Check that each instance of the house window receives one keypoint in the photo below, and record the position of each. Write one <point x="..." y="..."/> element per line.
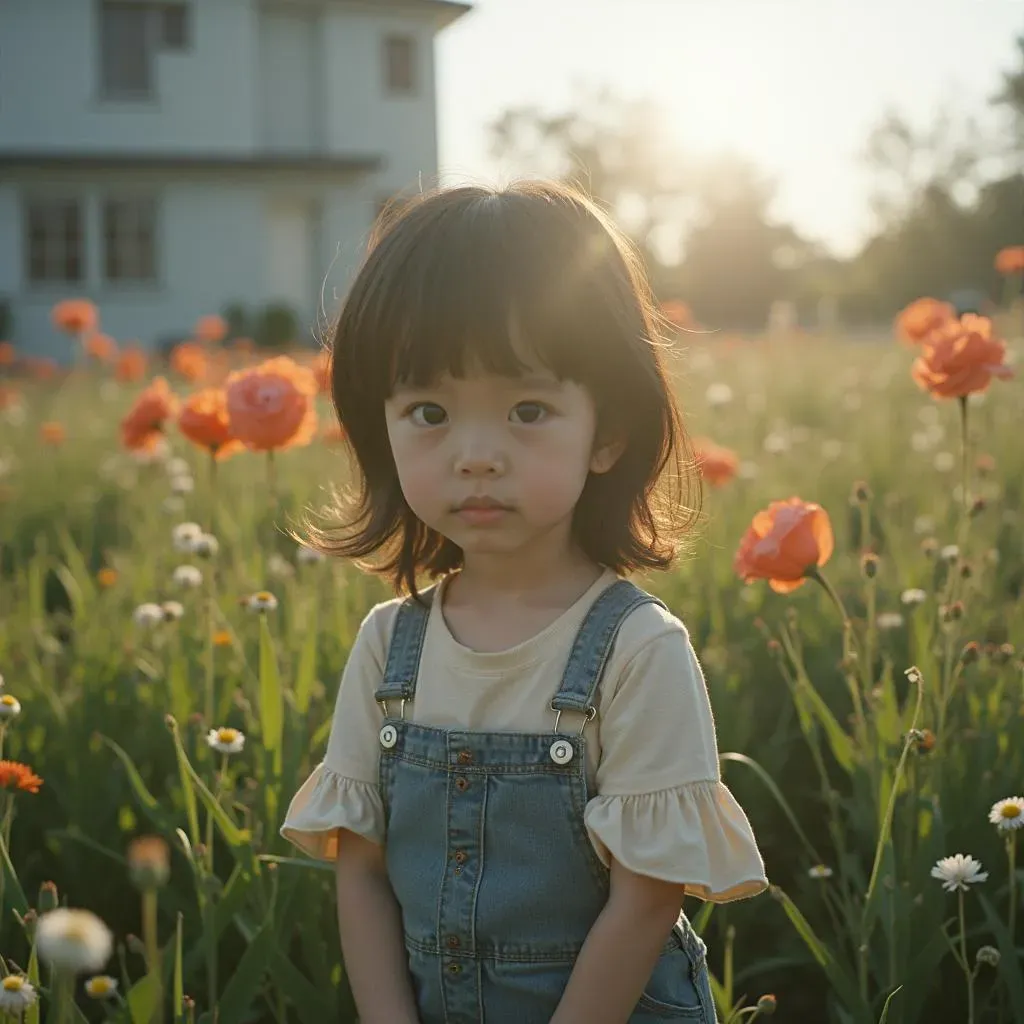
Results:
<point x="129" y="241"/>
<point x="53" y="241"/>
<point x="400" y="65"/>
<point x="132" y="34"/>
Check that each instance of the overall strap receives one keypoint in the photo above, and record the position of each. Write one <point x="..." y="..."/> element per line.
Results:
<point x="593" y="645"/>
<point x="399" y="682"/>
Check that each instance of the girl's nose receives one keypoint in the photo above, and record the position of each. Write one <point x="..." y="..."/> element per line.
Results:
<point x="479" y="457"/>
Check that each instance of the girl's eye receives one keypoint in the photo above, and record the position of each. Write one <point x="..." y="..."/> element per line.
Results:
<point x="530" y="412"/>
<point x="427" y="414"/>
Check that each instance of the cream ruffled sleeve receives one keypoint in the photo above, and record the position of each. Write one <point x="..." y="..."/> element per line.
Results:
<point x="662" y="809"/>
<point x="342" y="792"/>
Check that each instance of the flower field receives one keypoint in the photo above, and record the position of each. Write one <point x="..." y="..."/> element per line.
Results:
<point x="170" y="653"/>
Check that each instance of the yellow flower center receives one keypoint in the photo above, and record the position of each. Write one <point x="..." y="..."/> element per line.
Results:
<point x="1011" y="811"/>
<point x="264" y="596"/>
<point x="8" y="700"/>
<point x="227" y="735"/>
<point x="99" y="986"/>
<point x="12" y="983"/>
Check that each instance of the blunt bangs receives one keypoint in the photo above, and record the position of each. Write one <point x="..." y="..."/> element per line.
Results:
<point x="487" y="282"/>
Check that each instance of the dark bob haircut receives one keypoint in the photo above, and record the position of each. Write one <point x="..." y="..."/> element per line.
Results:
<point x="451" y="280"/>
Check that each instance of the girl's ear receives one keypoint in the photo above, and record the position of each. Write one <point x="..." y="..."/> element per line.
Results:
<point x="605" y="456"/>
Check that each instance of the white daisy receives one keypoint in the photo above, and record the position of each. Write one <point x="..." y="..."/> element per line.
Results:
<point x="913" y="596"/>
<point x="10" y="707"/>
<point x="148" y="614"/>
<point x="262" y="601"/>
<point x="187" y="576"/>
<point x="889" y="620"/>
<point x="958" y="872"/>
<point x="819" y="871"/>
<point x="1006" y="815"/>
<point x="101" y="986"/>
<point x="184" y="536"/>
<point x="182" y="485"/>
<point x="75" y="940"/>
<point x="307" y="555"/>
<point x="226" y="740"/>
<point x="172" y="610"/>
<point x="16" y="993"/>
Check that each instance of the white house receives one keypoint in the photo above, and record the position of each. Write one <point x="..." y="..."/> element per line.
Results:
<point x="166" y="158"/>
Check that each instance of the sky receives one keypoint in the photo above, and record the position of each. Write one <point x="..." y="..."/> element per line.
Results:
<point x="795" y="85"/>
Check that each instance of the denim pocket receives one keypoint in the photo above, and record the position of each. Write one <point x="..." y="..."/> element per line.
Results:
<point x="679" y="988"/>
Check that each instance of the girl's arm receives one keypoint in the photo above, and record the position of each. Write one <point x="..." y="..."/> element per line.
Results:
<point x="370" y="923"/>
<point x="621" y="950"/>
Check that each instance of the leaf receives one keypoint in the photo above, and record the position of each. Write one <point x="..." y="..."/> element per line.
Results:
<point x="305" y="676"/>
<point x="245" y="983"/>
<point x="779" y="798"/>
<point x="79" y="571"/>
<point x="1010" y="972"/>
<point x="838" y="739"/>
<point x="188" y="793"/>
<point x="14" y="895"/>
<point x="150" y="804"/>
<point x="310" y="1003"/>
<point x="885" y="1009"/>
<point x="309" y="862"/>
<point x="32" y="1012"/>
<point x="143" y="998"/>
<point x="178" y="685"/>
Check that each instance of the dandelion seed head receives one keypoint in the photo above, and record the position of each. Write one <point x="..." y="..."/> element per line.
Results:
<point x="148" y="614"/>
<point x="172" y="610"/>
<point x="74" y="940"/>
<point x="187" y="576"/>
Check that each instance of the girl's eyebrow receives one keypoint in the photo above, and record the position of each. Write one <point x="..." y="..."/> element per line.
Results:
<point x="551" y="385"/>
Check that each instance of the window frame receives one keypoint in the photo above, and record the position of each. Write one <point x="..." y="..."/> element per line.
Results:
<point x="108" y="249"/>
<point x="391" y="87"/>
<point x="155" y="42"/>
<point x="33" y="204"/>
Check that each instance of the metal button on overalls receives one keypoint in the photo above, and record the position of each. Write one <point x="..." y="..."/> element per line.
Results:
<point x="561" y="752"/>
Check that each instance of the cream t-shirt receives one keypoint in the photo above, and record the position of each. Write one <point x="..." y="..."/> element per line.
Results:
<point x="659" y="805"/>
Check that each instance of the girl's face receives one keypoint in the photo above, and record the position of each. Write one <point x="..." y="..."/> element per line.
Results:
<point x="496" y="464"/>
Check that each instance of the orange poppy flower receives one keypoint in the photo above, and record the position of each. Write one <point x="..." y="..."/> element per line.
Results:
<point x="189" y="360"/>
<point x="783" y="543"/>
<point x="15" y="775"/>
<point x="52" y="432"/>
<point x="74" y="316"/>
<point x="8" y="354"/>
<point x="272" y="405"/>
<point x="1010" y="260"/>
<point x="204" y="421"/>
<point x="106" y="577"/>
<point x="211" y="328"/>
<point x="717" y="465"/>
<point x="142" y="425"/>
<point x="960" y="358"/>
<point x="916" y="321"/>
<point x="131" y="365"/>
<point x="100" y="346"/>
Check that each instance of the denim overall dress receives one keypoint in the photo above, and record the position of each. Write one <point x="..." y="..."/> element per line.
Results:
<point x="488" y="855"/>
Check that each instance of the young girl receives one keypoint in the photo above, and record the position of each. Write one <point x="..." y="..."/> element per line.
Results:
<point x="522" y="780"/>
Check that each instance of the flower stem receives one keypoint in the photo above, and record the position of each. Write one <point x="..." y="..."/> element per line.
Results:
<point x="963" y="957"/>
<point x="965" y="472"/>
<point x="1011" y="854"/>
<point x="152" y="944"/>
